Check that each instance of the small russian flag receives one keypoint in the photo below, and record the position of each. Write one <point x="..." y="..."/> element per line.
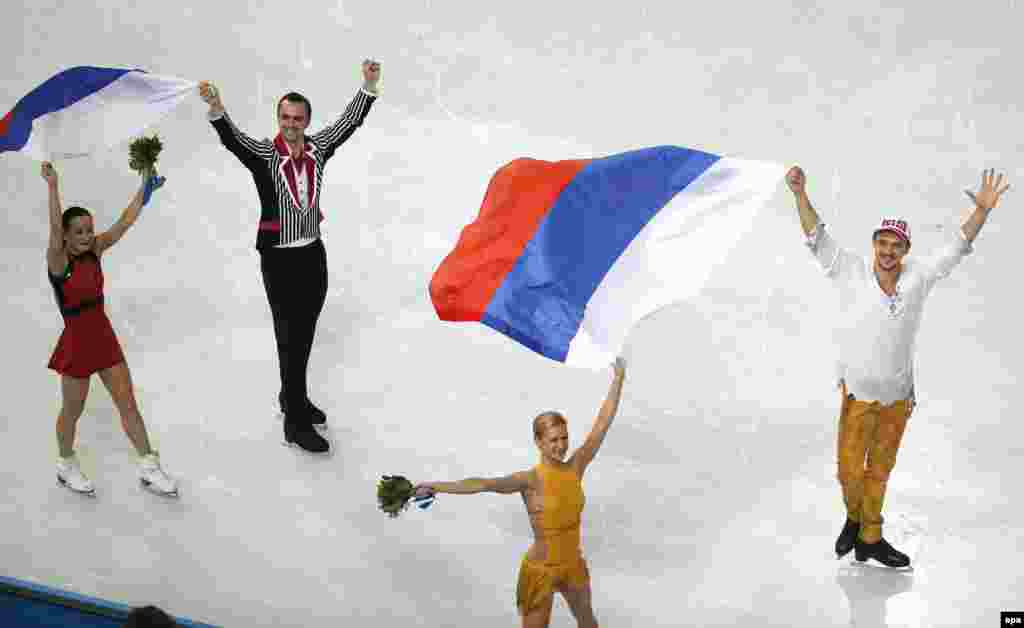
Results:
<point x="86" y="109"/>
<point x="566" y="257"/>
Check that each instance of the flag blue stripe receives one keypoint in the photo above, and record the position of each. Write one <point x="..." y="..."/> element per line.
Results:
<point x="542" y="300"/>
<point x="58" y="92"/>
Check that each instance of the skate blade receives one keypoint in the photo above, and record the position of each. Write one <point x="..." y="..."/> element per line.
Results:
<point x="871" y="563"/>
<point x="322" y="454"/>
<point x="63" y="484"/>
<point x="149" y="487"/>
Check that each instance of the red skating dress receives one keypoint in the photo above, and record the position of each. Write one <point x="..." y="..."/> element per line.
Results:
<point x="88" y="343"/>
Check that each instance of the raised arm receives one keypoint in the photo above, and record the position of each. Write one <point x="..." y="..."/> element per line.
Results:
<point x="941" y="263"/>
<point x="251" y="152"/>
<point x="334" y="135"/>
<point x="130" y="214"/>
<point x="797" y="182"/>
<point x="984" y="202"/>
<point x="515" y="483"/>
<point x="833" y="258"/>
<point x="56" y="259"/>
<point x="583" y="456"/>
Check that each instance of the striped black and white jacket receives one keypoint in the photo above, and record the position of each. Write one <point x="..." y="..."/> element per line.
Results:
<point x="287" y="219"/>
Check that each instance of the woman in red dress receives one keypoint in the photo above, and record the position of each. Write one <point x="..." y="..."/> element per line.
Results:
<point x="88" y="343"/>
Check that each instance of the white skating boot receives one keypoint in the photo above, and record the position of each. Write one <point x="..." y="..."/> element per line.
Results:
<point x="69" y="475"/>
<point x="152" y="477"/>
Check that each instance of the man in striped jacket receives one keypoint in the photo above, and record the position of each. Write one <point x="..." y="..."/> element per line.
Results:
<point x="288" y="172"/>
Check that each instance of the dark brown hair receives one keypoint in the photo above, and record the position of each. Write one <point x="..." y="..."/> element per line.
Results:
<point x="71" y="213"/>
<point x="149" y="617"/>
<point x="295" y="97"/>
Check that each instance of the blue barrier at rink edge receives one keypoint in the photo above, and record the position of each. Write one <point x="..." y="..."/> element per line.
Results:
<point x="24" y="604"/>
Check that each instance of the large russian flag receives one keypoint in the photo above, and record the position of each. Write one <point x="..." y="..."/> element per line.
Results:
<point x="566" y="257"/>
<point x="87" y="109"/>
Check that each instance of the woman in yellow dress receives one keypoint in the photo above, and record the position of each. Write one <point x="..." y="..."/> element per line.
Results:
<point x="553" y="495"/>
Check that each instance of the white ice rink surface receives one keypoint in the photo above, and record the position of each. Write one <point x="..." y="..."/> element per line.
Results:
<point x="713" y="502"/>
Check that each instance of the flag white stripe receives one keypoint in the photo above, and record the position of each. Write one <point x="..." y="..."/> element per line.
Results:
<point x="119" y="111"/>
<point x="673" y="256"/>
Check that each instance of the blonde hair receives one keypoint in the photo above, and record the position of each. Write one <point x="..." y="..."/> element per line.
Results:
<point x="547" y="420"/>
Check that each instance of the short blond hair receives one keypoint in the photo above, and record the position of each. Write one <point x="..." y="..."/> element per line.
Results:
<point x="547" y="420"/>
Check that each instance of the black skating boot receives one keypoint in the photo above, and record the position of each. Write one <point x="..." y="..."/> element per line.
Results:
<point x="305" y="437"/>
<point x="882" y="552"/>
<point x="847" y="538"/>
<point x="317" y="416"/>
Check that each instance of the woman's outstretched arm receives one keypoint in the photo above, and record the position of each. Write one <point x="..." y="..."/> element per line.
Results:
<point x="588" y="450"/>
<point x="56" y="260"/>
<point x="130" y="214"/>
<point x="515" y="483"/>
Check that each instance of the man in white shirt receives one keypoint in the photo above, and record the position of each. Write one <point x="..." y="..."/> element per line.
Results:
<point x="881" y="301"/>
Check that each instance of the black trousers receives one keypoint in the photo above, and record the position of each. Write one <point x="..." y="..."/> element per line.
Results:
<point x="295" y="279"/>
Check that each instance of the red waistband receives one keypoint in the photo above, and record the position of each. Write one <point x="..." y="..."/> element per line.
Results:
<point x="275" y="225"/>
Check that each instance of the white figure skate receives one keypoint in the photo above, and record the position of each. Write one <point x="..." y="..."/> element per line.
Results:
<point x="153" y="478"/>
<point x="70" y="476"/>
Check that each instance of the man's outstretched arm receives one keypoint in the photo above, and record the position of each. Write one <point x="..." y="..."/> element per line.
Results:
<point x="250" y="151"/>
<point x="833" y="259"/>
<point x="797" y="182"/>
<point x="942" y="262"/>
<point x="984" y="202"/>
<point x="341" y="129"/>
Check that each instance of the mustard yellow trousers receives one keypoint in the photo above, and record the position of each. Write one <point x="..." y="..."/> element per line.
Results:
<point x="869" y="437"/>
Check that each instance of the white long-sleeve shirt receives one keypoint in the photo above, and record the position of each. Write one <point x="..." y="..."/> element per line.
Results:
<point x="876" y="332"/>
